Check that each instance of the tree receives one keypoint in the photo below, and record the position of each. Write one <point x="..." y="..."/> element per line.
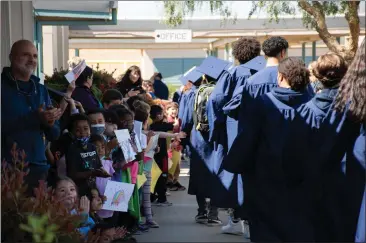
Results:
<point x="314" y="15"/>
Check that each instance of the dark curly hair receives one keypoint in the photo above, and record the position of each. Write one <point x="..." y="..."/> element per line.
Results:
<point x="245" y="49"/>
<point x="294" y="70"/>
<point x="274" y="45"/>
<point x="111" y="95"/>
<point x="330" y="69"/>
<point x="353" y="87"/>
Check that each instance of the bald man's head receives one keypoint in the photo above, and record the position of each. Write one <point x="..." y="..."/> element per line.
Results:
<point x="23" y="57"/>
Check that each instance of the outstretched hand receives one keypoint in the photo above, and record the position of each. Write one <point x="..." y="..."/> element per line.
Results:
<point x="179" y="136"/>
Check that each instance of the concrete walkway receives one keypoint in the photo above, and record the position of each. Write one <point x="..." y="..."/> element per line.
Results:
<point x="177" y="222"/>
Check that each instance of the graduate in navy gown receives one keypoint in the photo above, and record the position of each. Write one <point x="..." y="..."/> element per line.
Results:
<point x="351" y="101"/>
<point x="244" y="50"/>
<point x="272" y="176"/>
<point x="263" y="79"/>
<point x="200" y="152"/>
<point x="275" y="49"/>
<point x="329" y="70"/>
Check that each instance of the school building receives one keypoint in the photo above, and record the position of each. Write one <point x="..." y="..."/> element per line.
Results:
<point x="134" y="35"/>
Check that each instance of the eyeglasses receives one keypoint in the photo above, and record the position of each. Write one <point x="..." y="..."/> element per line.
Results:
<point x="22" y="91"/>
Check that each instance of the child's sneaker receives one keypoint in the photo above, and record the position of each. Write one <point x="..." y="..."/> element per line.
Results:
<point x="201" y="218"/>
<point x="142" y="228"/>
<point x="152" y="224"/>
<point x="164" y="204"/>
<point x="233" y="228"/>
<point x="214" y="222"/>
<point x="167" y="194"/>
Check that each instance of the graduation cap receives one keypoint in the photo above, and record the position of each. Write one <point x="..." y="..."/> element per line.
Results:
<point x="194" y="75"/>
<point x="183" y="79"/>
<point x="256" y="63"/>
<point x="213" y="66"/>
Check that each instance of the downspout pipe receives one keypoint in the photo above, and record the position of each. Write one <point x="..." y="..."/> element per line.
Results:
<point x="40" y="23"/>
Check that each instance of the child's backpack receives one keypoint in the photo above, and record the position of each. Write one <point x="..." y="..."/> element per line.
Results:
<point x="200" y="118"/>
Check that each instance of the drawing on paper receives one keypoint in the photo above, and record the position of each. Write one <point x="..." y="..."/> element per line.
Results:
<point x="118" y="195"/>
<point x="118" y="198"/>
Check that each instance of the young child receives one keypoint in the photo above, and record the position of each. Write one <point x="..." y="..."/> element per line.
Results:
<point x="82" y="161"/>
<point x="111" y="124"/>
<point x="161" y="158"/>
<point x="175" y="148"/>
<point x="101" y="183"/>
<point x="108" y="231"/>
<point x="65" y="192"/>
<point x="97" y="121"/>
<point x="142" y="112"/>
<point x="112" y="97"/>
<point x="148" y="86"/>
<point x="127" y="172"/>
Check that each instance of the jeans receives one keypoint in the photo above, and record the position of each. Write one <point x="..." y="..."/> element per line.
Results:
<point x="207" y="208"/>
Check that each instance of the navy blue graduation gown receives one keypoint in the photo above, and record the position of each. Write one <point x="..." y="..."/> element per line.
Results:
<point x="335" y="197"/>
<point x="227" y="191"/>
<point x="356" y="188"/>
<point x="272" y="176"/>
<point x="182" y="102"/>
<point x="200" y="151"/>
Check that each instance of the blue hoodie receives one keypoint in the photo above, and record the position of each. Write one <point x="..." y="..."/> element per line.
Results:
<point x="20" y="122"/>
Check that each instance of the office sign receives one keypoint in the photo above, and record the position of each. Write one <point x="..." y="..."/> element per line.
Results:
<point x="173" y="36"/>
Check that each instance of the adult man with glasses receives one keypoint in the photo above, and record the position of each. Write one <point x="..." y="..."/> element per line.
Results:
<point x="27" y="116"/>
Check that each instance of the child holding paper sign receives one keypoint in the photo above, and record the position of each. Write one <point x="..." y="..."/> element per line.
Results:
<point x="128" y="169"/>
<point x="142" y="111"/>
<point x="101" y="183"/>
<point x="82" y="161"/>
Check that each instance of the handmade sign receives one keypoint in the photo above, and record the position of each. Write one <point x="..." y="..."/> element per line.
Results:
<point x="141" y="179"/>
<point x="138" y="131"/>
<point x="118" y="195"/>
<point x="124" y="140"/>
<point x="75" y="72"/>
<point x="155" y="174"/>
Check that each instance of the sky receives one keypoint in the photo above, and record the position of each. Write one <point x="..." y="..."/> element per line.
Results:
<point x="155" y="10"/>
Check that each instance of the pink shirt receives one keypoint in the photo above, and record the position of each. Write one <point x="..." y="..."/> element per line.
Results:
<point x="102" y="183"/>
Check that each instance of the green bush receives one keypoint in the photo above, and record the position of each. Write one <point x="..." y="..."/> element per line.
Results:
<point x="102" y="80"/>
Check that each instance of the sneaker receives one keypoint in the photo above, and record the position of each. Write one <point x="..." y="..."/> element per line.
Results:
<point x="214" y="222"/>
<point x="167" y="194"/>
<point x="233" y="228"/>
<point x="143" y="228"/>
<point x="164" y="204"/>
<point x="246" y="230"/>
<point x="201" y="218"/>
<point x="152" y="224"/>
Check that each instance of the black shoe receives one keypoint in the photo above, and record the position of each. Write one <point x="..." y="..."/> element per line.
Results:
<point x="169" y="184"/>
<point x="201" y="218"/>
<point x="214" y="222"/>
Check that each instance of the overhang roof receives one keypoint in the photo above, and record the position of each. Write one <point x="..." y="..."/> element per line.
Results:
<point x="53" y="10"/>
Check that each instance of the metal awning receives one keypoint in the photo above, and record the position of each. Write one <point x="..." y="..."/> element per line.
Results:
<point x="53" y="10"/>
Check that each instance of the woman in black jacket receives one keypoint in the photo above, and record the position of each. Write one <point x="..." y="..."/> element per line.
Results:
<point x="131" y="83"/>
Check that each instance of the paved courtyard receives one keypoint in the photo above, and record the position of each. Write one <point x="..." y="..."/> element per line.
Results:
<point x="177" y="222"/>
